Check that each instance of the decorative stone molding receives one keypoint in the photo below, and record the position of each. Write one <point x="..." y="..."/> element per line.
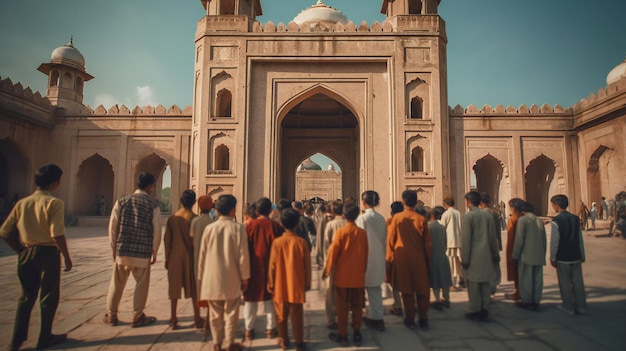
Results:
<point x="500" y="110"/>
<point x="158" y="110"/>
<point x="292" y="27"/>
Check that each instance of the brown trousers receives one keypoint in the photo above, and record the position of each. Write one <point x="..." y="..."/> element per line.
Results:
<point x="349" y="299"/>
<point x="283" y="310"/>
<point x="423" y="303"/>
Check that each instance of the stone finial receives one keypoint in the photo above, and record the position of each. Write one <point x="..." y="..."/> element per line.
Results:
<point x="137" y="111"/>
<point x="350" y="27"/>
<point x="545" y="108"/>
<point x="364" y="27"/>
<point x="486" y="109"/>
<point x="281" y="27"/>
<point x="293" y="27"/>
<point x="174" y="110"/>
<point x="499" y="109"/>
<point x="523" y="109"/>
<point x="100" y="110"/>
<point x="376" y="27"/>
<point x="160" y="110"/>
<point x="534" y="109"/>
<point x="510" y="109"/>
<point x="270" y="27"/>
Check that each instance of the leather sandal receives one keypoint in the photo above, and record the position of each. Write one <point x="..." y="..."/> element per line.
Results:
<point x="143" y="321"/>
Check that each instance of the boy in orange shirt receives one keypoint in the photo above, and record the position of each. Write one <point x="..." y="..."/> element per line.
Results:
<point x="347" y="256"/>
<point x="289" y="278"/>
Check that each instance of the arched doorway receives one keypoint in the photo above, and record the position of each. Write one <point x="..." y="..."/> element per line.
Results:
<point x="14" y="174"/>
<point x="318" y="178"/>
<point x="539" y="176"/>
<point x="319" y="122"/>
<point x="156" y="165"/>
<point x="489" y="174"/>
<point x="94" y="187"/>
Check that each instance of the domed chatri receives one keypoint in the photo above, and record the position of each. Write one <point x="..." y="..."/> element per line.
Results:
<point x="69" y="55"/>
<point x="618" y="73"/>
<point x="320" y="13"/>
<point x="309" y="165"/>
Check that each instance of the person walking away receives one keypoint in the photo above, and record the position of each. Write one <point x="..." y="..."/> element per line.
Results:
<point x="179" y="259"/>
<point x="198" y="223"/>
<point x="485" y="200"/>
<point x="479" y="253"/>
<point x="224" y="268"/>
<point x="35" y="230"/>
<point x="306" y="225"/>
<point x="347" y="257"/>
<point x="593" y="215"/>
<point x="529" y="250"/>
<point x="583" y="214"/>
<point x="409" y="256"/>
<point x="329" y="233"/>
<point x="261" y="234"/>
<point x="289" y="277"/>
<point x="375" y="227"/>
<point x="515" y="206"/>
<point x="396" y="307"/>
<point x="451" y="219"/>
<point x="605" y="209"/>
<point x="135" y="237"/>
<point x="567" y="253"/>
<point x="441" y="277"/>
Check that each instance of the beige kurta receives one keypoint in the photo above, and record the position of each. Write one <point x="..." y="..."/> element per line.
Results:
<point x="479" y="247"/>
<point x="197" y="229"/>
<point x="179" y="254"/>
<point x="224" y="260"/>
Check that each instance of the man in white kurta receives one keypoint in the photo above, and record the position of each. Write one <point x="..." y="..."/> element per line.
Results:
<point x="376" y="228"/>
<point x="451" y="219"/>
<point x="224" y="268"/>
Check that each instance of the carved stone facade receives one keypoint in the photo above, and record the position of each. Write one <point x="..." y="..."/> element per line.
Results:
<point x="373" y="98"/>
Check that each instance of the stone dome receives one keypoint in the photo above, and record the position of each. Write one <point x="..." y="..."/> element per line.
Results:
<point x="68" y="54"/>
<point x="617" y="73"/>
<point x="320" y="13"/>
<point x="309" y="165"/>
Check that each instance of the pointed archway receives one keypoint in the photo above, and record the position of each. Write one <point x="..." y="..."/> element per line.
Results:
<point x="319" y="121"/>
<point x="489" y="175"/>
<point x="318" y="178"/>
<point x="539" y="183"/>
<point x="156" y="165"/>
<point x="94" y="187"/>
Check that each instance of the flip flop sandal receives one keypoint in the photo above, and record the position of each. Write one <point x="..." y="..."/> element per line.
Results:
<point x="143" y="321"/>
<point x="110" y="321"/>
<point x="173" y="324"/>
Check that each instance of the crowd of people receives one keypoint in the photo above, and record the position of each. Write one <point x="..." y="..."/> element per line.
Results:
<point x="267" y="259"/>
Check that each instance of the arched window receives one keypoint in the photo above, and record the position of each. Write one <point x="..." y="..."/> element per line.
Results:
<point x="54" y="79"/>
<point x="415" y="7"/>
<point x="222" y="158"/>
<point x="78" y="87"/>
<point x="227" y="7"/>
<point x="224" y="103"/>
<point x="417" y="107"/>
<point x="417" y="159"/>
<point x="67" y="82"/>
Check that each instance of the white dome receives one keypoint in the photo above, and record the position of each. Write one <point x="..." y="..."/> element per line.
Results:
<point x="68" y="54"/>
<point x="320" y="13"/>
<point x="617" y="73"/>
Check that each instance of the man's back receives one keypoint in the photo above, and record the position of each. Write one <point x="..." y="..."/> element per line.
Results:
<point x="479" y="248"/>
<point x="451" y="219"/>
<point x="530" y="240"/>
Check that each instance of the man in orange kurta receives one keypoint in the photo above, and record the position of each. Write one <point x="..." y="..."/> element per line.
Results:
<point x="347" y="257"/>
<point x="409" y="255"/>
<point x="179" y="260"/>
<point x="511" y="264"/>
<point x="289" y="277"/>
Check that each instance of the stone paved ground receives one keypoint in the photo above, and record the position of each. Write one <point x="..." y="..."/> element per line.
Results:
<point x="83" y="295"/>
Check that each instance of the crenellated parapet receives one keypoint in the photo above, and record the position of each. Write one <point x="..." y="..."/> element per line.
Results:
<point x="349" y="27"/>
<point x="24" y="105"/>
<point x="609" y="92"/>
<point x="26" y="94"/>
<point x="145" y="111"/>
<point x="500" y="110"/>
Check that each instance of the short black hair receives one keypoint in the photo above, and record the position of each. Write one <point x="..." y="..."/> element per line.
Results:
<point x="560" y="200"/>
<point x="337" y="208"/>
<point x="188" y="198"/>
<point x="225" y="204"/>
<point x="423" y="210"/>
<point x="438" y="211"/>
<point x="349" y="199"/>
<point x="396" y="207"/>
<point x="251" y="210"/>
<point x="473" y="197"/>
<point x="371" y="198"/>
<point x="47" y="175"/>
<point x="264" y="206"/>
<point x="289" y="218"/>
<point x="527" y="207"/>
<point x="409" y="197"/>
<point x="283" y="204"/>
<point x="145" y="179"/>
<point x="448" y="200"/>
<point x="351" y="211"/>
<point x="297" y="205"/>
<point x="485" y="198"/>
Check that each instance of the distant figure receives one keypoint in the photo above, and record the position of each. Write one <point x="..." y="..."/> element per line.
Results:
<point x="583" y="214"/>
<point x="306" y="227"/>
<point x="135" y="237"/>
<point x="396" y="307"/>
<point x="329" y="233"/>
<point x="39" y="263"/>
<point x="289" y="277"/>
<point x="515" y="205"/>
<point x="102" y="206"/>
<point x="593" y="215"/>
<point x="567" y="253"/>
<point x="529" y="250"/>
<point x="604" y="214"/>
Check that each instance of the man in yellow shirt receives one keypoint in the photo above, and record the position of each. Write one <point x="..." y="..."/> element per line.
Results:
<point x="39" y="222"/>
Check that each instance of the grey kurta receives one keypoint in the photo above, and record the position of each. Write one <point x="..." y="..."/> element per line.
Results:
<point x="530" y="241"/>
<point x="440" y="277"/>
<point x="479" y="247"/>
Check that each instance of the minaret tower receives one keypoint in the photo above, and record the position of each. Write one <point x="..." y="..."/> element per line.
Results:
<point x="66" y="77"/>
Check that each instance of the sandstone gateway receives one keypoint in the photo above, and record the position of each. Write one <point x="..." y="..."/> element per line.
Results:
<point x="372" y="97"/>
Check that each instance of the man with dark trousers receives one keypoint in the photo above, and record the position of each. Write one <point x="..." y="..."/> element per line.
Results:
<point x="38" y="221"/>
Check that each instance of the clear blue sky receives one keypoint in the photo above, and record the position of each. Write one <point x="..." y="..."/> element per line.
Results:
<point x="499" y="51"/>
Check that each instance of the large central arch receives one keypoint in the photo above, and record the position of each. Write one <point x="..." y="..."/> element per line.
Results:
<point x="318" y="121"/>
